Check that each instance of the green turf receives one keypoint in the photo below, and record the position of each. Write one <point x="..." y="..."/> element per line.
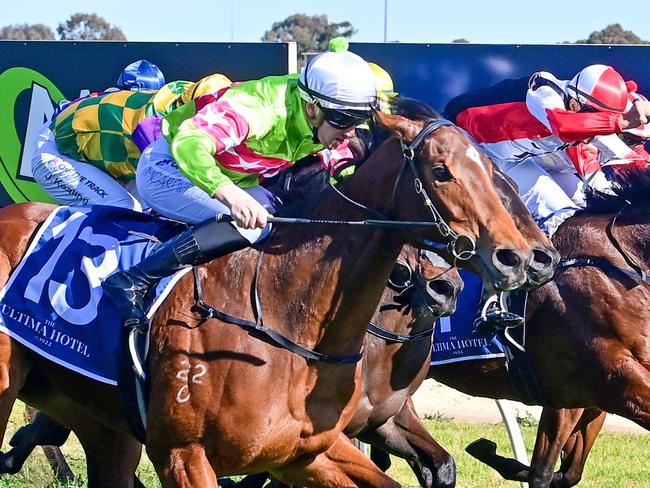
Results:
<point x="617" y="460"/>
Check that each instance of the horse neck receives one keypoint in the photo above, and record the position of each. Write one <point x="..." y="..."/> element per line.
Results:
<point x="340" y="271"/>
<point x="587" y="234"/>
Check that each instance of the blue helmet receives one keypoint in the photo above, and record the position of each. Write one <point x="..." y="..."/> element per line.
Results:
<point x="141" y="75"/>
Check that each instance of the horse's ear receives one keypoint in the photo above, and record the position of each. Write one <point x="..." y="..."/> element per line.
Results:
<point x="397" y="125"/>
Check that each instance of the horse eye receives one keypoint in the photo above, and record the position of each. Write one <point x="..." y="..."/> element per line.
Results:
<point x="441" y="173"/>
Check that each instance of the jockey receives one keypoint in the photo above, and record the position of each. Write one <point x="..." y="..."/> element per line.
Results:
<point x="217" y="150"/>
<point x="141" y="75"/>
<point x="88" y="153"/>
<point x="341" y="162"/>
<point x="528" y="139"/>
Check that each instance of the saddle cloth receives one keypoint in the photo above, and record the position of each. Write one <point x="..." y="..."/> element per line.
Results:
<point x="53" y="302"/>
<point x="454" y="339"/>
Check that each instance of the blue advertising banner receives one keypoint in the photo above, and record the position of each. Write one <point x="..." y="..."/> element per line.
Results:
<point x="435" y="73"/>
<point x="36" y="75"/>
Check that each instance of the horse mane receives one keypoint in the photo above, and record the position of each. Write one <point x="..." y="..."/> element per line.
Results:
<point x="632" y="185"/>
<point x="413" y="109"/>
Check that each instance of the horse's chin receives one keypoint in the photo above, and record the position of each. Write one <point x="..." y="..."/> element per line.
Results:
<point x="426" y="312"/>
<point x="494" y="280"/>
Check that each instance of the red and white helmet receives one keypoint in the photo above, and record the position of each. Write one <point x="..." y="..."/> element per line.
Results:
<point x="600" y="87"/>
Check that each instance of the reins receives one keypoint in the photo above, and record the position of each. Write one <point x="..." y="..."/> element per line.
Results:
<point x="636" y="273"/>
<point x="453" y="239"/>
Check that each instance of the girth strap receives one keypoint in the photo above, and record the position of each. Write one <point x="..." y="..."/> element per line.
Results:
<point x="209" y="311"/>
<point x="390" y="336"/>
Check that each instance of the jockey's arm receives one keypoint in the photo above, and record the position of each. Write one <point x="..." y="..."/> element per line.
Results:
<point x="547" y="106"/>
<point x="613" y="149"/>
<point x="196" y="143"/>
<point x="212" y="131"/>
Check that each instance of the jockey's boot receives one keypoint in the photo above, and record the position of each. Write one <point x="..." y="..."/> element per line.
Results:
<point x="200" y="244"/>
<point x="495" y="315"/>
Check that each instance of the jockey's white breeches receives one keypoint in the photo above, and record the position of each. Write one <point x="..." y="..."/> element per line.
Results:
<point x="75" y="183"/>
<point x="165" y="189"/>
<point x="550" y="196"/>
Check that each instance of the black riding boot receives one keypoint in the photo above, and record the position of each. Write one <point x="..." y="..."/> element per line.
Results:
<point x="495" y="315"/>
<point x="200" y="244"/>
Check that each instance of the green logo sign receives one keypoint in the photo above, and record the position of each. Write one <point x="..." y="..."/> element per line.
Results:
<point x="15" y="154"/>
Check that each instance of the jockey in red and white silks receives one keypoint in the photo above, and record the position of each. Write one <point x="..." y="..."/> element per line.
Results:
<point x="533" y="140"/>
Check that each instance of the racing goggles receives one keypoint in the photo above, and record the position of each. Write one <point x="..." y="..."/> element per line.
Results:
<point x="344" y="119"/>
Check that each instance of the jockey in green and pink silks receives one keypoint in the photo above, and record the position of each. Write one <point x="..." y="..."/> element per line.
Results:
<point x="218" y="148"/>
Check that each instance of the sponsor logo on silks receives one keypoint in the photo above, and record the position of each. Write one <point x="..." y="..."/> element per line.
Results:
<point x="16" y="148"/>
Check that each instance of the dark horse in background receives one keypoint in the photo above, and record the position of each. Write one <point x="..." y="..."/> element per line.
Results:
<point x="585" y="334"/>
<point x="320" y="287"/>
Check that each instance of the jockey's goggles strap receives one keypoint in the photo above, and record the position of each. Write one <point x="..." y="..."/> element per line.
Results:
<point x="319" y="96"/>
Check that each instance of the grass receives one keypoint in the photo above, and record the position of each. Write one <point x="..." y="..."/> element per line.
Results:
<point x="617" y="460"/>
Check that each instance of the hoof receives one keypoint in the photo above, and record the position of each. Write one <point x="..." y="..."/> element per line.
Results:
<point x="482" y="449"/>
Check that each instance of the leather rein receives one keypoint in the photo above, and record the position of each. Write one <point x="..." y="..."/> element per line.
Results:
<point x="460" y="246"/>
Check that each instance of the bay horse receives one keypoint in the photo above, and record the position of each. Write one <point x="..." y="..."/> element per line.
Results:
<point x="421" y="288"/>
<point x="318" y="286"/>
<point x="585" y="331"/>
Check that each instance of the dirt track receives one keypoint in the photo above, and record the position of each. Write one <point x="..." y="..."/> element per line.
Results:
<point x="434" y="398"/>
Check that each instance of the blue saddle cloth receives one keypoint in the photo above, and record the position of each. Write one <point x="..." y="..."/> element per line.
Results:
<point x="53" y="302"/>
<point x="454" y="339"/>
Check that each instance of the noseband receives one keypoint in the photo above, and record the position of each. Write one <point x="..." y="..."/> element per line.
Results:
<point x="461" y="246"/>
<point x="408" y="288"/>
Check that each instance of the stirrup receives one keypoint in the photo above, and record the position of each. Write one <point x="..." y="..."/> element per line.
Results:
<point x="495" y="316"/>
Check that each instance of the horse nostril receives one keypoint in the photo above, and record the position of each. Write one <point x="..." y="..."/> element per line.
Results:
<point x="543" y="257"/>
<point x="509" y="258"/>
<point x="442" y="287"/>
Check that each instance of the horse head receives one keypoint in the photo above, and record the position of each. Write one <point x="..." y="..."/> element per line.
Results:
<point x="425" y="284"/>
<point x="441" y="178"/>
<point x="441" y="282"/>
<point x="545" y="257"/>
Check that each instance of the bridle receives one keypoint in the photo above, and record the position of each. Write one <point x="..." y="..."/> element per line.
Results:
<point x="460" y="246"/>
<point x="402" y="281"/>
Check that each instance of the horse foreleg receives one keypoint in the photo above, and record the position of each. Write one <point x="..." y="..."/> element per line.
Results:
<point x="186" y="466"/>
<point x="577" y="448"/>
<point x="341" y="466"/>
<point x="486" y="451"/>
<point x="628" y="391"/>
<point x="13" y="370"/>
<point x="555" y="428"/>
<point x="405" y="436"/>
<point x="111" y="456"/>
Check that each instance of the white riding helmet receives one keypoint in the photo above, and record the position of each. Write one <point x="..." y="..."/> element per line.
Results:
<point x="339" y="81"/>
<point x="600" y="87"/>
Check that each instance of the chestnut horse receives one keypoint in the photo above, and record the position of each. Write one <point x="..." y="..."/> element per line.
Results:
<point x="396" y="354"/>
<point x="319" y="287"/>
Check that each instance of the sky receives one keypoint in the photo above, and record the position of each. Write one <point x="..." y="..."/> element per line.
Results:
<point x="419" y="21"/>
